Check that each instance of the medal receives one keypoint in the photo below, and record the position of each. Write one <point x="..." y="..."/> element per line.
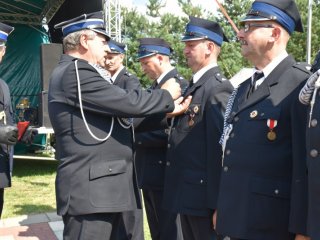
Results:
<point x="271" y="135"/>
<point x="191" y="122"/>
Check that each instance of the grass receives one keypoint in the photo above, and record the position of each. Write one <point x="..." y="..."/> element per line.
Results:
<point x="33" y="192"/>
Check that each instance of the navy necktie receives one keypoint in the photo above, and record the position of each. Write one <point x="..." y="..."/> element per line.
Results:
<point x="256" y="76"/>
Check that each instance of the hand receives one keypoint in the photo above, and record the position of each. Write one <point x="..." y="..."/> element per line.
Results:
<point x="8" y="134"/>
<point x="301" y="237"/>
<point x="214" y="219"/>
<point x="180" y="106"/>
<point x="172" y="87"/>
<point x="29" y="135"/>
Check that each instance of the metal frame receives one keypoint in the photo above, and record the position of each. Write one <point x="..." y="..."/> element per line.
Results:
<point x="112" y="10"/>
<point x="18" y="15"/>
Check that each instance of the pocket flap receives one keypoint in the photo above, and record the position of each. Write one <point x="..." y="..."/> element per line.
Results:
<point x="195" y="177"/>
<point x="270" y="187"/>
<point x="102" y="169"/>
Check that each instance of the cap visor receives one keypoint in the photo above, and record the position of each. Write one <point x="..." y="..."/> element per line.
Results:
<point x="191" y="38"/>
<point x="254" y="18"/>
<point x="146" y="55"/>
<point x="103" y="32"/>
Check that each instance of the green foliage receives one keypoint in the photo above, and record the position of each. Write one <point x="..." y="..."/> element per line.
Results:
<point x="170" y="26"/>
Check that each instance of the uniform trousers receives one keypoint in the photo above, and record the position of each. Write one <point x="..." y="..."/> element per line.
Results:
<point x="197" y="228"/>
<point x="106" y="226"/>
<point x="164" y="225"/>
<point x="133" y="224"/>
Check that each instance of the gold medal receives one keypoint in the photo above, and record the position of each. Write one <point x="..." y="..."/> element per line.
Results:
<point x="271" y="136"/>
<point x="191" y="122"/>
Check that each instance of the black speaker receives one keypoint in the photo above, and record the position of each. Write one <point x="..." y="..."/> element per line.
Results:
<point x="50" y="55"/>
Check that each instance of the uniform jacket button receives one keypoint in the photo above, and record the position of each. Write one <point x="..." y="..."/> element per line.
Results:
<point x="160" y="162"/>
<point x="314" y="122"/>
<point x="236" y="119"/>
<point x="228" y="152"/>
<point x="168" y="145"/>
<point x="168" y="164"/>
<point x="313" y="153"/>
<point x="225" y="168"/>
<point x="110" y="169"/>
<point x="232" y="135"/>
<point x="276" y="191"/>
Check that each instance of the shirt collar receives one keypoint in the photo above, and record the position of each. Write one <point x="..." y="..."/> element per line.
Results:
<point x="202" y="71"/>
<point x="273" y="64"/>
<point x="163" y="74"/>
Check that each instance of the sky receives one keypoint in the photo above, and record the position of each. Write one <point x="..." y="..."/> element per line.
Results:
<point x="171" y="5"/>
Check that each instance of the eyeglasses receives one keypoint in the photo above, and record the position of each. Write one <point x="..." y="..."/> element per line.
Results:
<point x="246" y="27"/>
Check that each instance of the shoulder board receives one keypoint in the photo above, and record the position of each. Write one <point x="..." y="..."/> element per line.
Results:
<point x="220" y="77"/>
<point x="303" y="66"/>
<point x="179" y="77"/>
<point x="128" y="74"/>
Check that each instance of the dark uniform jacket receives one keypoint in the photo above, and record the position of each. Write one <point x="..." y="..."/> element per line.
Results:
<point x="313" y="162"/>
<point x="126" y="80"/>
<point x="5" y="151"/>
<point x="151" y="147"/>
<point x="95" y="176"/>
<point x="263" y="182"/>
<point x="193" y="155"/>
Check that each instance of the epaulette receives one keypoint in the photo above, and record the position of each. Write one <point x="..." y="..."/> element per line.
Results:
<point x="128" y="74"/>
<point x="303" y="66"/>
<point x="220" y="77"/>
<point x="178" y="77"/>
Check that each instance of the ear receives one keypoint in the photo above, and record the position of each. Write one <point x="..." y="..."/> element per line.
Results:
<point x="210" y="47"/>
<point x="276" y="33"/>
<point x="84" y="41"/>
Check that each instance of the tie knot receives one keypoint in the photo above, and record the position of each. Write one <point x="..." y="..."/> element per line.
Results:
<point x="256" y="76"/>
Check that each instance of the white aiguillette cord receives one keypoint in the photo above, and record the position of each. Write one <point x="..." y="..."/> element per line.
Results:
<point x="82" y="113"/>
<point x="313" y="100"/>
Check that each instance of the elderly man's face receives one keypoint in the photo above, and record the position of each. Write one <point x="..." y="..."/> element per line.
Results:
<point x="253" y="37"/>
<point x="97" y="47"/>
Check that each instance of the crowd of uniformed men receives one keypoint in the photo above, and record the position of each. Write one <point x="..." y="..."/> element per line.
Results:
<point x="213" y="160"/>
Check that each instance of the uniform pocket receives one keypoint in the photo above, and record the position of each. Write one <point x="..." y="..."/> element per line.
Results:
<point x="194" y="190"/>
<point x="269" y="204"/>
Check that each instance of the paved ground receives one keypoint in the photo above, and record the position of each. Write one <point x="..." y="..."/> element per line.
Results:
<point x="47" y="226"/>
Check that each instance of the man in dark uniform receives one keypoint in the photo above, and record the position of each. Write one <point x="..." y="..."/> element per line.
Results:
<point x="193" y="166"/>
<point x="263" y="187"/>
<point x="120" y="76"/>
<point x="95" y="182"/>
<point x="8" y="132"/>
<point x="309" y="95"/>
<point x="114" y="64"/>
<point x="154" y="56"/>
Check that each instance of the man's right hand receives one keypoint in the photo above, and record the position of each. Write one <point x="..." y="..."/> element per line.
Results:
<point x="172" y="87"/>
<point x="8" y="134"/>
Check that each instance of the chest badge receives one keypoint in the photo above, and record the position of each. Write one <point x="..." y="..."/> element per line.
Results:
<point x="253" y="114"/>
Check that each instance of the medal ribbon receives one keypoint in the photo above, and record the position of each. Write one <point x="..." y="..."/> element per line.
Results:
<point x="272" y="123"/>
